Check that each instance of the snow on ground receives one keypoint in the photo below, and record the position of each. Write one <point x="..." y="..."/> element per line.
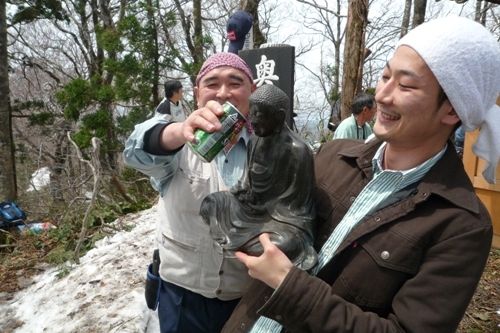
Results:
<point x="104" y="293"/>
<point x="39" y="179"/>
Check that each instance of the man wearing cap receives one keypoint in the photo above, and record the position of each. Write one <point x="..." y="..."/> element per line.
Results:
<point x="402" y="237"/>
<point x="237" y="27"/>
<point x="199" y="286"/>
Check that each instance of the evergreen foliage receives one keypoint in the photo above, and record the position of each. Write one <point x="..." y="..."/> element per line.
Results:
<point x="29" y="11"/>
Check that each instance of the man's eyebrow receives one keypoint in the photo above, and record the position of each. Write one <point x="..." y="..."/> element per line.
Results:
<point x="236" y="77"/>
<point x="403" y="71"/>
<point x="209" y="79"/>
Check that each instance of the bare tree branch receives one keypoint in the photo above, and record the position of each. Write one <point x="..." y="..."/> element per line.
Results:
<point x="94" y="165"/>
<point x="326" y="9"/>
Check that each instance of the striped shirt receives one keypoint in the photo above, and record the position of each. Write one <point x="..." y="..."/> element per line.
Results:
<point x="384" y="184"/>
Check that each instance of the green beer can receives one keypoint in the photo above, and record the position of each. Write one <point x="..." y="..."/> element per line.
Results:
<point x="208" y="145"/>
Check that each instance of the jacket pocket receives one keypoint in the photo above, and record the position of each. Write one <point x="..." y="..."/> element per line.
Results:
<point x="185" y="194"/>
<point x="393" y="251"/>
<point x="379" y="267"/>
<point x="181" y="260"/>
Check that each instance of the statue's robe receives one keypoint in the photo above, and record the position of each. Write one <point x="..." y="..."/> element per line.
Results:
<point x="274" y="196"/>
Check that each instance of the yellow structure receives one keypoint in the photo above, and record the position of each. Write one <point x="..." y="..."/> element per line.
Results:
<point x="488" y="193"/>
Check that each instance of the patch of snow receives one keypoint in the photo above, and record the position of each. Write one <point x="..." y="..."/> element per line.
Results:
<point x="104" y="293"/>
<point x="39" y="179"/>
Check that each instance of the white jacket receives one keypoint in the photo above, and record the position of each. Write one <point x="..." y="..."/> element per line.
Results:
<point x="189" y="256"/>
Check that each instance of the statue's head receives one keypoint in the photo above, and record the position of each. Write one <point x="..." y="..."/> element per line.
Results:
<point x="268" y="107"/>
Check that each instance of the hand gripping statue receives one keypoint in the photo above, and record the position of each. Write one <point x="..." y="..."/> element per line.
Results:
<point x="274" y="194"/>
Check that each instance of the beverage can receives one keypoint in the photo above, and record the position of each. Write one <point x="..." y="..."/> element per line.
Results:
<point x="208" y="145"/>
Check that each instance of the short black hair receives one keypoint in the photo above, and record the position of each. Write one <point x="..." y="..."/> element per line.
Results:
<point x="171" y="87"/>
<point x="360" y="101"/>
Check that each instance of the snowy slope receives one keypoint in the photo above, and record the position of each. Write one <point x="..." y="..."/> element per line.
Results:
<point x="104" y="293"/>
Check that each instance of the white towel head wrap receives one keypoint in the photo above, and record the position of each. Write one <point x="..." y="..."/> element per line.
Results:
<point x="465" y="59"/>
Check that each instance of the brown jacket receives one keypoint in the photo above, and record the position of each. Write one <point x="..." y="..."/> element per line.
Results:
<point x="411" y="266"/>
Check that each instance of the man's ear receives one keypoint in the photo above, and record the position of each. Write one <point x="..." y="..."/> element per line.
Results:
<point x="196" y="92"/>
<point x="450" y="117"/>
<point x="364" y="111"/>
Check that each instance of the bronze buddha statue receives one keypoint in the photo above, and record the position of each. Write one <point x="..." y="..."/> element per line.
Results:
<point x="274" y="194"/>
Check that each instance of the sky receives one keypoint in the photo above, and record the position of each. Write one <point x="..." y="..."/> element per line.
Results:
<point x="104" y="293"/>
<point x="288" y="27"/>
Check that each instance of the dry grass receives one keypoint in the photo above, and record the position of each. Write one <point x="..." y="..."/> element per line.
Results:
<point x="22" y="260"/>
<point x="481" y="315"/>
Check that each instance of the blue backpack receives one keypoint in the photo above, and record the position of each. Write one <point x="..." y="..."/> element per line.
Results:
<point x="11" y="214"/>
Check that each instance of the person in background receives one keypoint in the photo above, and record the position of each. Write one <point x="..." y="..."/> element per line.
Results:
<point x="402" y="236"/>
<point x="171" y="104"/>
<point x="357" y="126"/>
<point x="199" y="286"/>
<point x="238" y="26"/>
<point x="460" y="140"/>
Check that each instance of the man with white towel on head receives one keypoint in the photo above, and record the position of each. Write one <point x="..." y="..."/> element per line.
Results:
<point x="402" y="237"/>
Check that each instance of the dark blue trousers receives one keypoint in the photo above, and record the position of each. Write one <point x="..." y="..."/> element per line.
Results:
<point x="182" y="311"/>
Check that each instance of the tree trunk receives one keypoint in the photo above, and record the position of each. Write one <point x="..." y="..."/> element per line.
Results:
<point x="337" y="44"/>
<point x="61" y="153"/>
<point x="107" y="23"/>
<point x="8" y="186"/>
<point x="198" y="38"/>
<point x="405" y="24"/>
<point x="334" y="93"/>
<point x="252" y="6"/>
<point x="156" y="57"/>
<point x="192" y="27"/>
<point x="477" y="13"/>
<point x="480" y="12"/>
<point x="366" y="54"/>
<point x="354" y="49"/>
<point x="419" y="7"/>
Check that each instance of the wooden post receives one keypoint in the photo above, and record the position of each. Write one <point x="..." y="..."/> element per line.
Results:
<point x="488" y="193"/>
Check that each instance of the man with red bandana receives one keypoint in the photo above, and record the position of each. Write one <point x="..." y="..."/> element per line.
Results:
<point x="199" y="286"/>
<point x="402" y="238"/>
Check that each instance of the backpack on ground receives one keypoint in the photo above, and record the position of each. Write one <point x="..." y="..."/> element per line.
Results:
<point x="11" y="215"/>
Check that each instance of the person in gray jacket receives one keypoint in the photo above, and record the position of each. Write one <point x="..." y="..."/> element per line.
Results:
<point x="403" y="238"/>
<point x="200" y="286"/>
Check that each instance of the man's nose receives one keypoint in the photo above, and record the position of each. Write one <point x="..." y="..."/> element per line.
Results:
<point x="224" y="92"/>
<point x="383" y="93"/>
